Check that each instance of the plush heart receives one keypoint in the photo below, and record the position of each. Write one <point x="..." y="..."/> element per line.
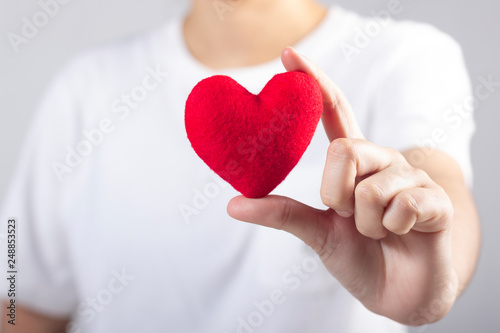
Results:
<point x="253" y="141"/>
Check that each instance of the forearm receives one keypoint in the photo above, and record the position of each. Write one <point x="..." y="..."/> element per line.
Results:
<point x="28" y="321"/>
<point x="466" y="232"/>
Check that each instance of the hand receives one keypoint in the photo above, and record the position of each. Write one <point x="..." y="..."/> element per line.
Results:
<point x="386" y="236"/>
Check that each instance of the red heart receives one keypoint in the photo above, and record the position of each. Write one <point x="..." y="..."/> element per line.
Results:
<point x="253" y="141"/>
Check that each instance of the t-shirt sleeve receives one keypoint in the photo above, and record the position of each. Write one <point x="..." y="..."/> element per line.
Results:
<point x="425" y="98"/>
<point x="45" y="281"/>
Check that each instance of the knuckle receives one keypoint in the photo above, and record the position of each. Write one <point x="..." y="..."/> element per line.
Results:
<point x="403" y="169"/>
<point x="396" y="155"/>
<point x="394" y="152"/>
<point x="407" y="204"/>
<point x="370" y="193"/>
<point x="285" y="214"/>
<point x="420" y="174"/>
<point x="342" y="148"/>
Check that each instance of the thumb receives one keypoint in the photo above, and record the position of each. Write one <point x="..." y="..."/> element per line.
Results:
<point x="348" y="255"/>
<point x="278" y="212"/>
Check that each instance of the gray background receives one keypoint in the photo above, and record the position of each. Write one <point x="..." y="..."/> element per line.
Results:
<point x="81" y="24"/>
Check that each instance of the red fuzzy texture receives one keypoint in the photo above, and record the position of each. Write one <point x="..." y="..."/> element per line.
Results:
<point x="253" y="141"/>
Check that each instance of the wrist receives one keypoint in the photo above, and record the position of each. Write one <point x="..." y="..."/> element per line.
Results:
<point x="438" y="306"/>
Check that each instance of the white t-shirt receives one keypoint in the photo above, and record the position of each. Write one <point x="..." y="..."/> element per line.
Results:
<point x="132" y="235"/>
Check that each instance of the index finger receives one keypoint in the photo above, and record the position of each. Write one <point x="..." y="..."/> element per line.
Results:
<point x="338" y="118"/>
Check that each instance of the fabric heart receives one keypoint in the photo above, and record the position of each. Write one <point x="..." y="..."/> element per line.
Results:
<point x="253" y="141"/>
